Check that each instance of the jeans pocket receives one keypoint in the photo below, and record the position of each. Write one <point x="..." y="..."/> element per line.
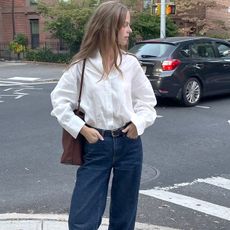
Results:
<point x="92" y="143"/>
<point x="131" y="139"/>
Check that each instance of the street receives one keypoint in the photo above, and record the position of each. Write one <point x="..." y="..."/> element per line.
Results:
<point x="186" y="174"/>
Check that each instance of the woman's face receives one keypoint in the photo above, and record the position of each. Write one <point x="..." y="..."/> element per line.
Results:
<point x="123" y="33"/>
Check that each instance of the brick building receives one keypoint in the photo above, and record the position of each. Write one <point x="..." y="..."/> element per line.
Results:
<point x="20" y="16"/>
<point x="220" y="15"/>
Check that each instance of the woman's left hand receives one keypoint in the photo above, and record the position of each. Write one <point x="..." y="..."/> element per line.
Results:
<point x="131" y="131"/>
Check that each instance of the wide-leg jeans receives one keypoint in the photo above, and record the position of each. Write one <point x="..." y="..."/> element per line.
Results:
<point x="121" y="155"/>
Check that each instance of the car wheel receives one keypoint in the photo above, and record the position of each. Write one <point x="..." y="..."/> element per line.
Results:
<point x="191" y="92"/>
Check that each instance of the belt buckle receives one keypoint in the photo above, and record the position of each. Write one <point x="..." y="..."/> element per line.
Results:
<point x="115" y="133"/>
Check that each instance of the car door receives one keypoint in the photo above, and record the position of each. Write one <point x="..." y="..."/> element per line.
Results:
<point x="223" y="58"/>
<point x="206" y="65"/>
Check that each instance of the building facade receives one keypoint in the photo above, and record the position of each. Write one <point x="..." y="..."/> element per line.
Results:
<point x="220" y="14"/>
<point x="20" y="16"/>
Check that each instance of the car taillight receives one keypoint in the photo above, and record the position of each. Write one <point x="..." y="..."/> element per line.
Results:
<point x="170" y="64"/>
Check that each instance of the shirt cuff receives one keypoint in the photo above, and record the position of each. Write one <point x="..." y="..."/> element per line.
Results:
<point x="138" y="123"/>
<point x="74" y="126"/>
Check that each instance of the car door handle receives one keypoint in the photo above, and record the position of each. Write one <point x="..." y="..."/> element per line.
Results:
<point x="226" y="65"/>
<point x="199" y="66"/>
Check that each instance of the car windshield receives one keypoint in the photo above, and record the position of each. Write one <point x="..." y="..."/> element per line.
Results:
<point x="148" y="50"/>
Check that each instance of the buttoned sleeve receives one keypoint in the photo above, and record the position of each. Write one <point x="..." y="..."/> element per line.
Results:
<point x="64" y="100"/>
<point x="143" y="99"/>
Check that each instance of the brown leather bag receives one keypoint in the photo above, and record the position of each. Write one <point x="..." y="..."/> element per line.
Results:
<point x="73" y="148"/>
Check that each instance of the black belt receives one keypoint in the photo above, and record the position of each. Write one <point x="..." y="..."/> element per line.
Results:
<point x="112" y="133"/>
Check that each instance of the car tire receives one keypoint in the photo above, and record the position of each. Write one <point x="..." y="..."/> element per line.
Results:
<point x="191" y="92"/>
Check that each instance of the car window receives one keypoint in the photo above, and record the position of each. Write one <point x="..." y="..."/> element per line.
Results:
<point x="199" y="50"/>
<point x="202" y="50"/>
<point x="185" y="51"/>
<point x="224" y="50"/>
<point x="151" y="49"/>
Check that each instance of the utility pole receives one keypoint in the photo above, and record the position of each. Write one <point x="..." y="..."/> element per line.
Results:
<point x="13" y="18"/>
<point x="163" y="20"/>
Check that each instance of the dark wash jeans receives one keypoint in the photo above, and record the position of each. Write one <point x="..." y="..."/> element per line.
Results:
<point x="122" y="155"/>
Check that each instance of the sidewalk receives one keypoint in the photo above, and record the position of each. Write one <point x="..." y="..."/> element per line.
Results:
<point x="15" y="221"/>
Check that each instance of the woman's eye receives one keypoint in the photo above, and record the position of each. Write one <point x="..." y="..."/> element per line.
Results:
<point x="126" y="24"/>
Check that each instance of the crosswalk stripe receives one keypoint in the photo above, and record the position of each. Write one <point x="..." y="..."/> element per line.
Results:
<point x="190" y="202"/>
<point x="217" y="181"/>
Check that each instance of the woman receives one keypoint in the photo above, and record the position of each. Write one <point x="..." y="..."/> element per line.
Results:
<point x="118" y="102"/>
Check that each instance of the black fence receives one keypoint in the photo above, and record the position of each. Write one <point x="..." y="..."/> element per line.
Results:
<point x="55" y="47"/>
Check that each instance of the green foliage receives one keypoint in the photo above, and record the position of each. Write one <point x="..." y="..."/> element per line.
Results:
<point x="21" y="39"/>
<point x="147" y="26"/>
<point x="46" y="55"/>
<point x="171" y="28"/>
<point x="66" y="21"/>
<point x="130" y="3"/>
<point x="18" y="45"/>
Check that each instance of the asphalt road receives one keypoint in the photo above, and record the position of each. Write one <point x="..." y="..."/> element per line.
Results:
<point x="186" y="173"/>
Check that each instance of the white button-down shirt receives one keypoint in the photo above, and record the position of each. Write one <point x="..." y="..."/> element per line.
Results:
<point x="108" y="103"/>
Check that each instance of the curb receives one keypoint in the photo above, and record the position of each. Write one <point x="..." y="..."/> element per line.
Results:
<point x="16" y="221"/>
<point x="34" y="62"/>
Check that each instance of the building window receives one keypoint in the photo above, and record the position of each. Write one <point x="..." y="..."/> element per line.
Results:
<point x="34" y="29"/>
<point x="33" y="2"/>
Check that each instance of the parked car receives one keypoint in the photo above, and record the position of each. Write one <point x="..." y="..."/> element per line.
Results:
<point x="186" y="68"/>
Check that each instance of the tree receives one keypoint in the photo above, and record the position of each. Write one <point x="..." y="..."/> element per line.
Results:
<point x="192" y="16"/>
<point x="66" y="20"/>
<point x="147" y="26"/>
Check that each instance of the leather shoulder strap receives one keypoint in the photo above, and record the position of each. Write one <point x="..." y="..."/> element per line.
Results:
<point x="81" y="83"/>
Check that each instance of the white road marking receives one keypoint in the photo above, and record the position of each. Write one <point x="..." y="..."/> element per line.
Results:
<point x="159" y="116"/>
<point x="2" y="95"/>
<point x="190" y="202"/>
<point x="17" y="93"/>
<point x="203" y="107"/>
<point x="17" y="97"/>
<point x="24" y="78"/>
<point x="11" y="83"/>
<point x="163" y="193"/>
<point x="7" y="89"/>
<point x="217" y="181"/>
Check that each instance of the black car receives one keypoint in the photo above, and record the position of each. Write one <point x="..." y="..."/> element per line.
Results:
<point x="186" y="68"/>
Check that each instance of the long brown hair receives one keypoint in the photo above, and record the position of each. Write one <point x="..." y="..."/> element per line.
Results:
<point x="102" y="33"/>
